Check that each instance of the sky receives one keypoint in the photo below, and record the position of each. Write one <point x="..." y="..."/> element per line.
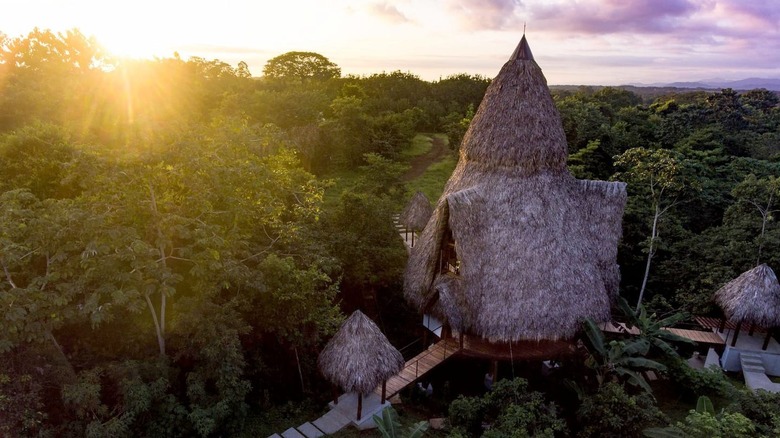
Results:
<point x="591" y="42"/>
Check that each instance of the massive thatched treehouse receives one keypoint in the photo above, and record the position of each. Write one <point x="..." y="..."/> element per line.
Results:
<point x="518" y="252"/>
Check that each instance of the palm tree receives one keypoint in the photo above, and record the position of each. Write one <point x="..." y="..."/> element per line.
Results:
<point x="619" y="360"/>
<point x="653" y="330"/>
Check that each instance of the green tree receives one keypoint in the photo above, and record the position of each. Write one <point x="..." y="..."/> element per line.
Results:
<point x="612" y="412"/>
<point x="301" y="66"/>
<point x="661" y="177"/>
<point x="761" y="194"/>
<point x="511" y="409"/>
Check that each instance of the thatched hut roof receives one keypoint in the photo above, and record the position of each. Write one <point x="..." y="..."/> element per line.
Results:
<point x="536" y="248"/>
<point x="359" y="357"/>
<point x="416" y="214"/>
<point x="753" y="297"/>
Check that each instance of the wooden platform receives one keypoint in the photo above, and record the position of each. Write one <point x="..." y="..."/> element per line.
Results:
<point x="417" y="366"/>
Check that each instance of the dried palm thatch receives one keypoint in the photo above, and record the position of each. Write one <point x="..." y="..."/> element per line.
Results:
<point x="359" y="357"/>
<point x="416" y="214"/>
<point x="753" y="297"/>
<point x="536" y="249"/>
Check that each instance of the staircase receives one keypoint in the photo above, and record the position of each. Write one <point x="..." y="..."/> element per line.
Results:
<point x="417" y="366"/>
<point x="755" y="374"/>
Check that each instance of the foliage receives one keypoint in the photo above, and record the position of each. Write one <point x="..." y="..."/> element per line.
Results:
<point x="612" y="412"/>
<point x="691" y="382"/>
<point x="761" y="407"/>
<point x="389" y="426"/>
<point x="618" y="360"/>
<point x="703" y="422"/>
<point x="654" y="330"/>
<point x="510" y="409"/>
<point x="301" y="66"/>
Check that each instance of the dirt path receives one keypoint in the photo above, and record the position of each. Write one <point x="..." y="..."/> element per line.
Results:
<point x="421" y="163"/>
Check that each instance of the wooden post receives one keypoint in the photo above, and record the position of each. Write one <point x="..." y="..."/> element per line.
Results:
<point x="752" y="328"/>
<point x="335" y="395"/>
<point x="460" y="341"/>
<point x="494" y="371"/>
<point x="412" y="238"/>
<point x="722" y="325"/>
<point x="360" y="405"/>
<point x="766" y="339"/>
<point x="736" y="333"/>
<point x="384" y="391"/>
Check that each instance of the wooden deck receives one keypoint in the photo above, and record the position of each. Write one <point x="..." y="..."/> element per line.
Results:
<point x="417" y="366"/>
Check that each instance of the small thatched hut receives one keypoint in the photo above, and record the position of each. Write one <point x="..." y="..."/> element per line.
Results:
<point x="753" y="298"/>
<point x="517" y="248"/>
<point x="416" y="214"/>
<point x="359" y="357"/>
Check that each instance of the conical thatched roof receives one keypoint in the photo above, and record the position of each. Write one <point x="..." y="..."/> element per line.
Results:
<point x="753" y="297"/>
<point x="359" y="357"/>
<point x="416" y="214"/>
<point x="537" y="248"/>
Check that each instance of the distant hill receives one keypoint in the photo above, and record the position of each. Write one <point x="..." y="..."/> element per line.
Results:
<point x="649" y="92"/>
<point x="717" y="84"/>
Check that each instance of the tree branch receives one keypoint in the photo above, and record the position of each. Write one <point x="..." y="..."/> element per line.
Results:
<point x="7" y="274"/>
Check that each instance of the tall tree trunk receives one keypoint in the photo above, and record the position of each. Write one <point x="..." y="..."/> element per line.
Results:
<point x="650" y="253"/>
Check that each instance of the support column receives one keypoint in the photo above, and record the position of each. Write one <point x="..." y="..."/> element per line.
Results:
<point x="335" y="395"/>
<point x="752" y="328"/>
<point x="767" y="339"/>
<point x="494" y="371"/>
<point x="384" y="391"/>
<point x="736" y="333"/>
<point x="722" y="325"/>
<point x="360" y="405"/>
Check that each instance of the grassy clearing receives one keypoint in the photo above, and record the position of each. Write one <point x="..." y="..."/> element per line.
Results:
<point x="431" y="183"/>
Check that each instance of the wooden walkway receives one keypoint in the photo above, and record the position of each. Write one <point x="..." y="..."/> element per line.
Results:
<point x="702" y="337"/>
<point x="417" y="366"/>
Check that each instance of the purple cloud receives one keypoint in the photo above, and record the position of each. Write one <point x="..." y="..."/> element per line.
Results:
<point x="388" y="12"/>
<point x="486" y="14"/>
<point x="614" y="16"/>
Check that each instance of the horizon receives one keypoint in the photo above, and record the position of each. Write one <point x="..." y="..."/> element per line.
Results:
<point x="591" y="42"/>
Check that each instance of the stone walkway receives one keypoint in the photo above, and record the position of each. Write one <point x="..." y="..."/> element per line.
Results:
<point x="340" y="416"/>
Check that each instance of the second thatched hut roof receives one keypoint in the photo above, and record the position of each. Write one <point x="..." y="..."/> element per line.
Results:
<point x="753" y="297"/>
<point x="359" y="357"/>
<point x="416" y="214"/>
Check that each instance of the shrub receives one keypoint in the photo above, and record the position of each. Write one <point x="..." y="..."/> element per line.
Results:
<point x="612" y="412"/>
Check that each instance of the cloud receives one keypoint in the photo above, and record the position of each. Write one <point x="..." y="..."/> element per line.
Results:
<point x="388" y="12"/>
<point x="614" y="16"/>
<point x="485" y="14"/>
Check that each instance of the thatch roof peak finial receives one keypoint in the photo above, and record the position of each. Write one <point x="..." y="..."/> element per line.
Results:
<point x="523" y="51"/>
